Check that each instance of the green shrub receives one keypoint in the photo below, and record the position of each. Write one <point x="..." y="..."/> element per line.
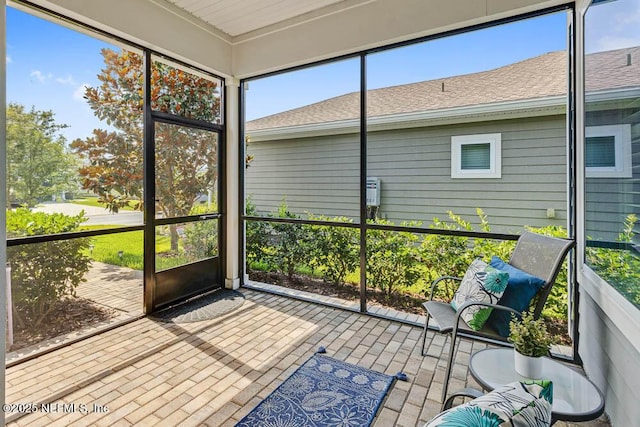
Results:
<point x="392" y="258"/>
<point x="451" y="255"/>
<point x="289" y="246"/>
<point x="257" y="237"/>
<point x="619" y="267"/>
<point x="446" y="255"/>
<point x="396" y="261"/>
<point x="44" y="273"/>
<point x="334" y="250"/>
<point x="200" y="239"/>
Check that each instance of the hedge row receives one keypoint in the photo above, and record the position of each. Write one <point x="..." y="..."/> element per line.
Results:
<point x="396" y="261"/>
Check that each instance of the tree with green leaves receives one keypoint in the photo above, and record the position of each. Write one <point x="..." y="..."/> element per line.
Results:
<point x="38" y="162"/>
<point x="186" y="158"/>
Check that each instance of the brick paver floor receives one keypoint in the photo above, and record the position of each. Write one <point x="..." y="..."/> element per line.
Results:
<point x="212" y="373"/>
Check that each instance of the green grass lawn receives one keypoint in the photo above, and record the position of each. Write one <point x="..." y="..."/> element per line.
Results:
<point x="93" y="201"/>
<point x="105" y="249"/>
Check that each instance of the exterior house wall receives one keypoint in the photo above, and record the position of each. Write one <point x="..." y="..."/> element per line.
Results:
<point x="414" y="166"/>
<point x="321" y="174"/>
<point x="610" y="348"/>
<point x="610" y="200"/>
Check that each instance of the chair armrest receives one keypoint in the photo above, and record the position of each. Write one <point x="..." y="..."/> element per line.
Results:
<point x="488" y="304"/>
<point x="468" y="304"/>
<point x="441" y="279"/>
<point x="467" y="392"/>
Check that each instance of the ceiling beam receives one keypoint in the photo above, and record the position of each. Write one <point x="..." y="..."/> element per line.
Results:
<point x="368" y="25"/>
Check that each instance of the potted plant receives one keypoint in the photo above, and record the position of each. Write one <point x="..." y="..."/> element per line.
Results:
<point x="531" y="342"/>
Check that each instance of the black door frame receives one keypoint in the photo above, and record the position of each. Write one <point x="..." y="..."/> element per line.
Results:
<point x="177" y="284"/>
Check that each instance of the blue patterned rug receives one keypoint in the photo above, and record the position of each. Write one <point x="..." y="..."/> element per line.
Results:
<point x="323" y="392"/>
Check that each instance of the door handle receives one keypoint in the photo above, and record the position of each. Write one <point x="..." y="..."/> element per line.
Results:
<point x="210" y="216"/>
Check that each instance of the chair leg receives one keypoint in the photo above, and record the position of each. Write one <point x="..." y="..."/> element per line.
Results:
<point x="447" y="376"/>
<point x="424" y="334"/>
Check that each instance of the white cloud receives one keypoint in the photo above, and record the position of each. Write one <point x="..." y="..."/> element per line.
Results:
<point x="78" y="94"/>
<point x="616" y="42"/>
<point x="40" y="77"/>
<point x="8" y="59"/>
<point x="66" y="81"/>
<point x="613" y="25"/>
<point x="630" y="19"/>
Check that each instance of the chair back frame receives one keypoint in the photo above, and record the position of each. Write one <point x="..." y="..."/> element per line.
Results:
<point x="541" y="256"/>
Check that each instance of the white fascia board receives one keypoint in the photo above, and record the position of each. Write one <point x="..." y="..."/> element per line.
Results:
<point x="546" y="106"/>
<point x="612" y="94"/>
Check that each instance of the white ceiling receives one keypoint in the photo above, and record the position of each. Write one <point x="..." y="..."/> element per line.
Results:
<point x="246" y="38"/>
<point x="236" y="18"/>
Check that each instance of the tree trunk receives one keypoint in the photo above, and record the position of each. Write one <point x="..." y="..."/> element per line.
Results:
<point x="173" y="232"/>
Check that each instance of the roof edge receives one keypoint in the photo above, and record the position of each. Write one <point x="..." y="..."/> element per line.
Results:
<point x="534" y="107"/>
<point x="545" y="106"/>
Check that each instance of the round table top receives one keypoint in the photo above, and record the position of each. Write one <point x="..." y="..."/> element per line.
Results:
<point x="575" y="398"/>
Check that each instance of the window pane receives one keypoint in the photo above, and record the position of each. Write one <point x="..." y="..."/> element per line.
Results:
<point x="185" y="243"/>
<point x="434" y="110"/>
<point x="184" y="92"/>
<point x="475" y="156"/>
<point x="186" y="170"/>
<point x="303" y="258"/>
<point x="601" y="151"/>
<point x="74" y="124"/>
<point x="612" y="200"/>
<point x="72" y="286"/>
<point x="303" y="143"/>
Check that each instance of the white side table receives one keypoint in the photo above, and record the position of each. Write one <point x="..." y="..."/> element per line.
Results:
<point x="575" y="398"/>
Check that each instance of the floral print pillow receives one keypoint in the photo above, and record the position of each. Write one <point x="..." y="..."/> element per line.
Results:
<point x="481" y="283"/>
<point x="519" y="404"/>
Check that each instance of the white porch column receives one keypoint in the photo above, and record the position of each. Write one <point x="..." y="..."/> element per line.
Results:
<point x="232" y="279"/>
<point x="3" y="201"/>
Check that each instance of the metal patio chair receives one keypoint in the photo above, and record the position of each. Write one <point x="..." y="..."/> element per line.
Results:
<point x="538" y="255"/>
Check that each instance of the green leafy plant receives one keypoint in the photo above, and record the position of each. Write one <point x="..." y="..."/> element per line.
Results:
<point x="43" y="274"/>
<point x="200" y="239"/>
<point x="529" y="336"/>
<point x="257" y="236"/>
<point x="451" y="255"/>
<point x="289" y="244"/>
<point x="392" y="258"/>
<point x="334" y="250"/>
<point x="619" y="267"/>
<point x="39" y="164"/>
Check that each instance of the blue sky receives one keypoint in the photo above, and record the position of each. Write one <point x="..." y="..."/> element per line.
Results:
<point x="460" y="54"/>
<point x="48" y="65"/>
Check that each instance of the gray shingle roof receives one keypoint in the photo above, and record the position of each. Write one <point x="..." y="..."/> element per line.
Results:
<point x="538" y="77"/>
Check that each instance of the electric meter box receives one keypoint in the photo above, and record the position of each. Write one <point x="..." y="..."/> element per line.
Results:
<point x="373" y="192"/>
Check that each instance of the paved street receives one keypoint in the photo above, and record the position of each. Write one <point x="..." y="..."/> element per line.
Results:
<point x="96" y="215"/>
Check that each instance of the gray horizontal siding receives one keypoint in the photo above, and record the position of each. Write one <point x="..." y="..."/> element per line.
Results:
<point x="321" y="175"/>
<point x="533" y="174"/>
<point x="317" y="175"/>
<point x="610" y="200"/>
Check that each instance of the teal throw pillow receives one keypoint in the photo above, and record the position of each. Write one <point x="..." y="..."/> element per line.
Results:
<point x="521" y="289"/>
<point x="518" y="404"/>
<point x="481" y="283"/>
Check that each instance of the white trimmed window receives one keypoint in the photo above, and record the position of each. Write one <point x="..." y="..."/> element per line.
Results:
<point x="608" y="151"/>
<point x="476" y="156"/>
